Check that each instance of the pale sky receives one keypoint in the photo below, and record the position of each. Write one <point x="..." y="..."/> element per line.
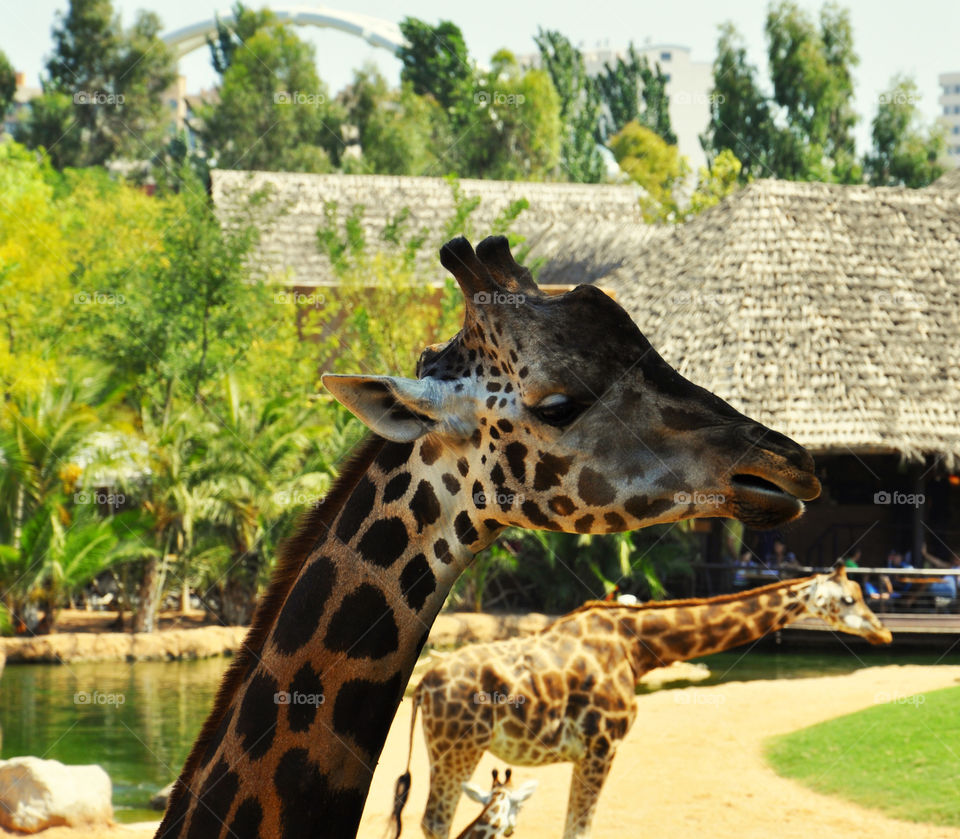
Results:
<point x="920" y="39"/>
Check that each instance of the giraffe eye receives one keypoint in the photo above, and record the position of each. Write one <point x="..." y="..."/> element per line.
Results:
<point x="558" y="410"/>
<point x="847" y="600"/>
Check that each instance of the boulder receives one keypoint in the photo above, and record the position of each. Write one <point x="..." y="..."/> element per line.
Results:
<point x="36" y="794"/>
<point x="161" y="797"/>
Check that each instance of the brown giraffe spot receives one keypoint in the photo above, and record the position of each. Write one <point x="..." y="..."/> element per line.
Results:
<point x="364" y="625"/>
<point x="494" y="432"/>
<point x="479" y="496"/>
<point x="614" y="522"/>
<point x="493" y="387"/>
<point x="356" y="510"/>
<point x="505" y="425"/>
<point x="430" y="450"/>
<point x="215" y="801"/>
<point x="396" y="487"/>
<point x="636" y="506"/>
<point x="583" y="524"/>
<point x="364" y="710"/>
<point x="516" y="454"/>
<point x="451" y="483"/>
<point x="550" y="468"/>
<point x="463" y="526"/>
<point x="561" y="505"/>
<point x="417" y="582"/>
<point x="491" y="401"/>
<point x="497" y="476"/>
<point x="424" y="505"/>
<point x="441" y="550"/>
<point x="393" y="455"/>
<point x="384" y="542"/>
<point x="246" y="820"/>
<point x="535" y="515"/>
<point x="306" y="695"/>
<point x="476" y="438"/>
<point x="308" y="597"/>
<point x="308" y="805"/>
<point x="594" y="488"/>
<point x="463" y="467"/>
<point x="257" y="718"/>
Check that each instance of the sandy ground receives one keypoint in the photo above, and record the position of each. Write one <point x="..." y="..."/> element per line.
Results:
<point x="691" y="765"/>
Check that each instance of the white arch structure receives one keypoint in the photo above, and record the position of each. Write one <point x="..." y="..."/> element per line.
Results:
<point x="375" y="31"/>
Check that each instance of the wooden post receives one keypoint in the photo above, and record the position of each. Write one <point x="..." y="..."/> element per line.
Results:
<point x="918" y="532"/>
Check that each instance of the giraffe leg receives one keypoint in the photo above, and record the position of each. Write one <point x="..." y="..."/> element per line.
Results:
<point x="447" y="772"/>
<point x="588" y="777"/>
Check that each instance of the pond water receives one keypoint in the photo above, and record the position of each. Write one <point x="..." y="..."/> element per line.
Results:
<point x="138" y="721"/>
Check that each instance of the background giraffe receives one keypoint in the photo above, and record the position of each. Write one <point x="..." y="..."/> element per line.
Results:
<point x="501" y="806"/>
<point x="568" y="693"/>
<point x="542" y="412"/>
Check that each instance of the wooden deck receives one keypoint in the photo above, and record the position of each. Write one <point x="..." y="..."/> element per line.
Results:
<point x="912" y="626"/>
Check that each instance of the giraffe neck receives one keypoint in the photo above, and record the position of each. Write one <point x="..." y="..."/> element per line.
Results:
<point x="297" y="740"/>
<point x="681" y="630"/>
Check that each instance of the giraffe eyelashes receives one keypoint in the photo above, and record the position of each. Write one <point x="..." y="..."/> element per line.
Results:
<point x="558" y="410"/>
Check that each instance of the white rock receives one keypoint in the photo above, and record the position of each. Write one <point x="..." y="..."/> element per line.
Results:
<point x="36" y="794"/>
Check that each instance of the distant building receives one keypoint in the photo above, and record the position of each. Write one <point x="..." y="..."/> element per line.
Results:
<point x="21" y="104"/>
<point x="689" y="86"/>
<point x="950" y="100"/>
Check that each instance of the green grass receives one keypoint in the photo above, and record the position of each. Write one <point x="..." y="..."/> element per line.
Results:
<point x="900" y="756"/>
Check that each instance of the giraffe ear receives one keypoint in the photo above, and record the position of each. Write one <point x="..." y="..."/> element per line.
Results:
<point x="525" y="791"/>
<point x="481" y="796"/>
<point x="396" y="408"/>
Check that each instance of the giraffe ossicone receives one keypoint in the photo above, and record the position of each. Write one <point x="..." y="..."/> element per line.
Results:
<point x="544" y="412"/>
<point x="571" y="688"/>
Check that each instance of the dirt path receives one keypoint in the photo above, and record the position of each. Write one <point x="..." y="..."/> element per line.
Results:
<point x="692" y="766"/>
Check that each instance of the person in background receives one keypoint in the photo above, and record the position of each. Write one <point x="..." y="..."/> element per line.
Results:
<point x="945" y="588"/>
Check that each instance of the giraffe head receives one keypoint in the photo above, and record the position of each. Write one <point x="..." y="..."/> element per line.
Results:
<point x="560" y="415"/>
<point x="501" y="806"/>
<point x="838" y="602"/>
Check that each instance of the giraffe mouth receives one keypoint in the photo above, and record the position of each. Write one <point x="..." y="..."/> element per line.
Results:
<point x="761" y="503"/>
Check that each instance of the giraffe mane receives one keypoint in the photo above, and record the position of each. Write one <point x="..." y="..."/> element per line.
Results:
<point x="696" y="601"/>
<point x="292" y="554"/>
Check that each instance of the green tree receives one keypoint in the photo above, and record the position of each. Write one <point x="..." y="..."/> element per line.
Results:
<point x="518" y="135"/>
<point x="904" y="152"/>
<point x="716" y="182"/>
<point x="811" y="70"/>
<point x="656" y="166"/>
<point x="8" y="83"/>
<point x="740" y="118"/>
<point x="436" y="63"/>
<point x="103" y="92"/>
<point x="246" y="23"/>
<point x="580" y="107"/>
<point x="273" y="111"/>
<point x="633" y="91"/>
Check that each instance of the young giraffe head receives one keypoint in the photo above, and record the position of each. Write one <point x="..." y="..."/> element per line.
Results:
<point x="501" y="806"/>
<point x="559" y="415"/>
<point x="838" y="602"/>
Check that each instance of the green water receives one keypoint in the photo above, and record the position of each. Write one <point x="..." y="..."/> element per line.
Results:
<point x="138" y="723"/>
<point x="141" y="719"/>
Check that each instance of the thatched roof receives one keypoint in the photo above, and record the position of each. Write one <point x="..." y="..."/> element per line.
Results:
<point x="830" y="312"/>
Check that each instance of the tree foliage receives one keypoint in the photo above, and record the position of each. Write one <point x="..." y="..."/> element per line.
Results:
<point x="655" y="165"/>
<point x="8" y="83"/>
<point x="903" y="152"/>
<point x="102" y="96"/>
<point x="633" y="91"/>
